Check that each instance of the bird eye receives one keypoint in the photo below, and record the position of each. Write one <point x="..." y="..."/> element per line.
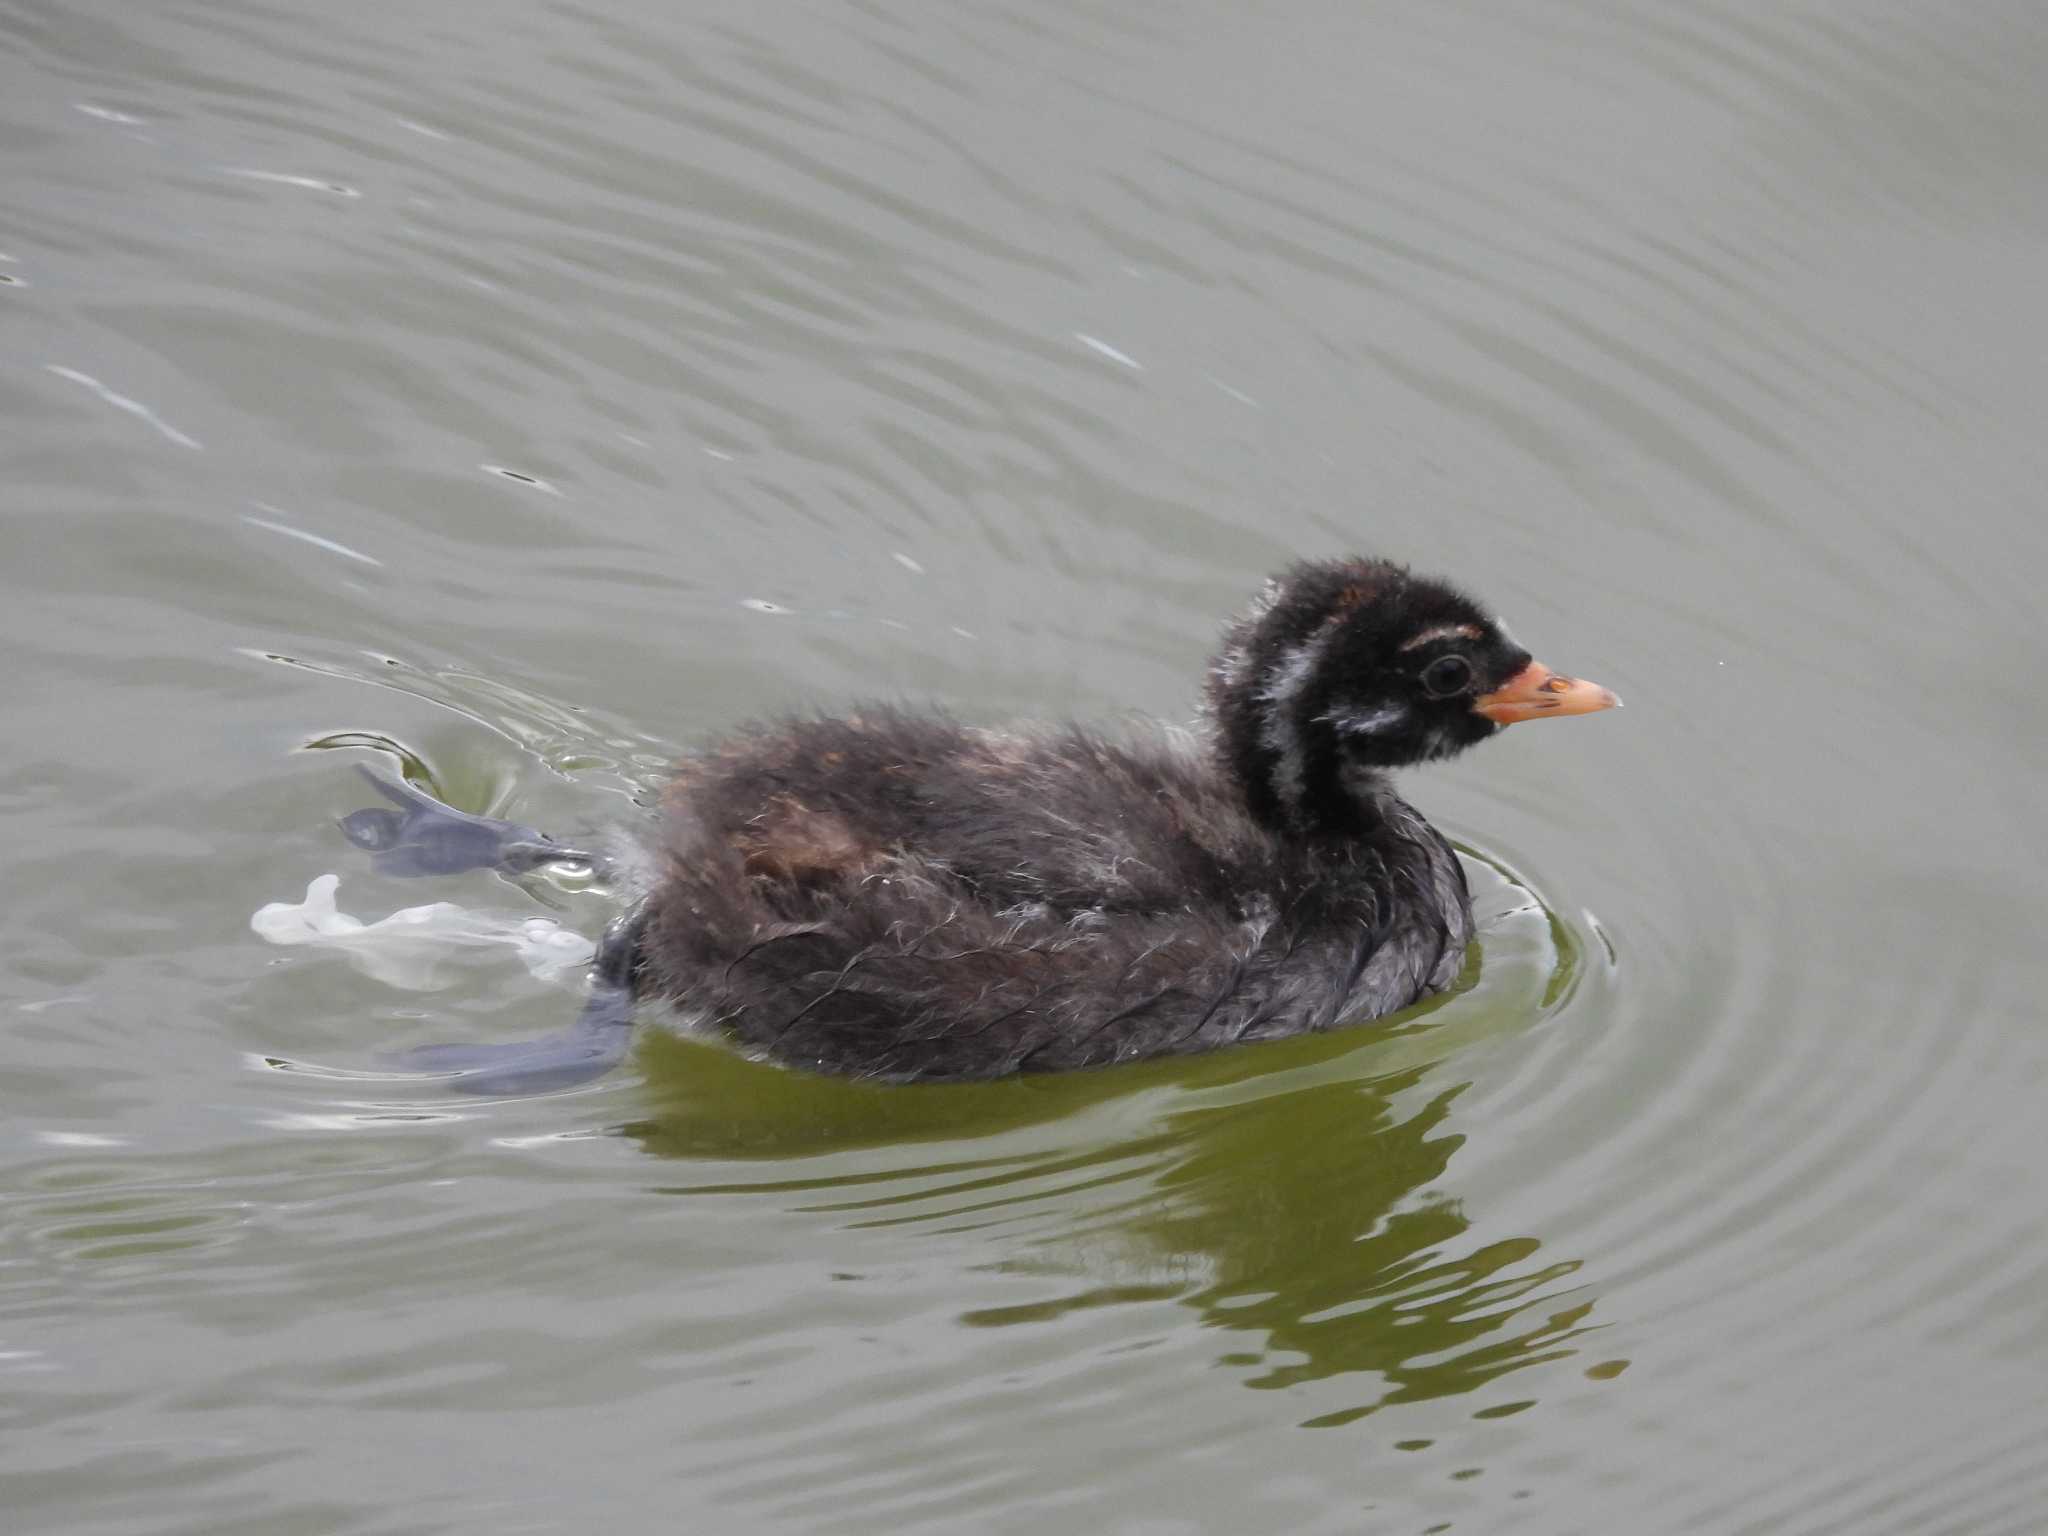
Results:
<point x="1445" y="676"/>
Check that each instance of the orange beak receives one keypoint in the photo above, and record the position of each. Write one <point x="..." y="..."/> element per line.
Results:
<point x="1536" y="692"/>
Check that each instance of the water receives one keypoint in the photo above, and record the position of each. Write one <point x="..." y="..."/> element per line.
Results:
<point x="541" y="388"/>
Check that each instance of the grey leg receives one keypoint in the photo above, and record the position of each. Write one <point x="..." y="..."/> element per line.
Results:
<point x="425" y="837"/>
<point x="591" y="1047"/>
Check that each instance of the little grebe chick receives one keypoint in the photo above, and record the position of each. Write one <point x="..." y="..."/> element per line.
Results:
<point x="900" y="896"/>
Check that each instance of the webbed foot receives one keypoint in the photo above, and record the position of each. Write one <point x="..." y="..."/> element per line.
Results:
<point x="589" y="1048"/>
<point x="425" y="837"/>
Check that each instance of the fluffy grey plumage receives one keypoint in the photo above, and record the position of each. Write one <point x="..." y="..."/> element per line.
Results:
<point x="904" y="897"/>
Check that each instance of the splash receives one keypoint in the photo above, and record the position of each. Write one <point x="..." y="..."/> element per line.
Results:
<point x="410" y="947"/>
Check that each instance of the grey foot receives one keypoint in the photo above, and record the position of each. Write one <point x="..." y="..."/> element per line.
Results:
<point x="425" y="837"/>
<point x="591" y="1047"/>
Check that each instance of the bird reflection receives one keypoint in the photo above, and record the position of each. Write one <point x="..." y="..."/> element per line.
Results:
<point x="1293" y="1195"/>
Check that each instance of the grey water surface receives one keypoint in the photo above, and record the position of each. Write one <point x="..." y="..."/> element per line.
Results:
<point x="528" y="391"/>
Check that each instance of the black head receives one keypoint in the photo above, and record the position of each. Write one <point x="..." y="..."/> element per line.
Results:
<point x="1345" y="668"/>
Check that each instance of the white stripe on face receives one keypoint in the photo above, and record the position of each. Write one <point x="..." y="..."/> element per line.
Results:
<point x="1277" y="730"/>
<point x="1444" y="632"/>
<point x="1371" y="722"/>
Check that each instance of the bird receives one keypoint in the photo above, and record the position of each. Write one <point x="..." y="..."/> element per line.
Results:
<point x="899" y="895"/>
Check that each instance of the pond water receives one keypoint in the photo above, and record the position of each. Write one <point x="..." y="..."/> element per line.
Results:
<point x="540" y="389"/>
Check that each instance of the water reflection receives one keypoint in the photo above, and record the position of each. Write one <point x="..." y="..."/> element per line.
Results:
<point x="1319" y="1212"/>
<point x="1297" y="1195"/>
